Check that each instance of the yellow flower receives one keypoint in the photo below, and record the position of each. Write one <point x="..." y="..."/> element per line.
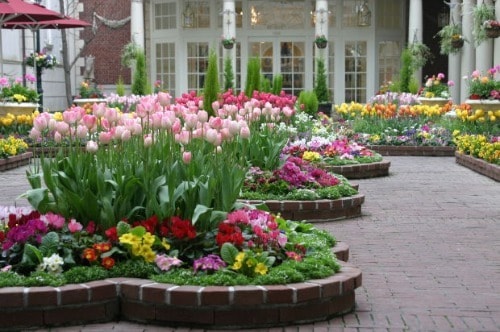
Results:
<point x="240" y="257"/>
<point x="261" y="268"/>
<point x="19" y="98"/>
<point x="311" y="156"/>
<point x="236" y="265"/>
<point x="165" y="244"/>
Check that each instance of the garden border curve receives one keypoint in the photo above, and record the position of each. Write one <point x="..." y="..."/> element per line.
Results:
<point x="145" y="301"/>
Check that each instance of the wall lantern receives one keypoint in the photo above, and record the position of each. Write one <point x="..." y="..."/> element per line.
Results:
<point x="188" y="16"/>
<point x="364" y="15"/>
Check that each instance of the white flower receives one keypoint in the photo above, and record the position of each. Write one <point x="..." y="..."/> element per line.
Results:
<point x="52" y="264"/>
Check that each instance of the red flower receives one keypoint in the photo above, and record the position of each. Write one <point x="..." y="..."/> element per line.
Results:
<point x="102" y="247"/>
<point x="182" y="228"/>
<point x="90" y="254"/>
<point x="2" y="236"/>
<point x="90" y="227"/>
<point x="108" y="262"/>
<point x="112" y="234"/>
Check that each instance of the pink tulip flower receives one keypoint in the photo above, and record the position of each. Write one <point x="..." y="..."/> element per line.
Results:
<point x="91" y="147"/>
<point x="186" y="157"/>
<point x="164" y="98"/>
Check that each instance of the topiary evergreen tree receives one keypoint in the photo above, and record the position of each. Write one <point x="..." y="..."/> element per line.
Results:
<point x="140" y="81"/>
<point x="321" y="86"/>
<point x="277" y="84"/>
<point x="253" y="77"/>
<point x="211" y="88"/>
<point x="228" y="74"/>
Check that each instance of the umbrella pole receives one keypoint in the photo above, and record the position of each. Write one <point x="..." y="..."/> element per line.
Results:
<point x="38" y="70"/>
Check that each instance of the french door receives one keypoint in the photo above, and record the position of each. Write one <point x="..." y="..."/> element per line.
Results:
<point x="283" y="57"/>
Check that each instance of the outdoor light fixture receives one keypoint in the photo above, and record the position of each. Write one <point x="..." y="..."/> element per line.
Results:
<point x="364" y="15"/>
<point x="188" y="16"/>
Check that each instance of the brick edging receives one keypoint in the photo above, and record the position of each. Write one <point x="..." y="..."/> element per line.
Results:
<point x="317" y="210"/>
<point x="15" y="161"/>
<point x="361" y="171"/>
<point x="146" y="301"/>
<point x="478" y="165"/>
<point x="417" y="151"/>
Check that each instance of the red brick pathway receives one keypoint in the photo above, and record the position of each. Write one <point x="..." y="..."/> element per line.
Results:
<point x="428" y="245"/>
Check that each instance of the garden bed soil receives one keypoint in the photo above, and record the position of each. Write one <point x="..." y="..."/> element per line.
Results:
<point x="15" y="161"/>
<point x="322" y="210"/>
<point x="146" y="301"/>
<point x="478" y="165"/>
<point x="361" y="171"/>
<point x="417" y="151"/>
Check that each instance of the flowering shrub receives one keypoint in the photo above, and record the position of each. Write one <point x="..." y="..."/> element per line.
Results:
<point x="484" y="86"/>
<point x="479" y="146"/>
<point x="15" y="91"/>
<point x="12" y="146"/>
<point x="436" y="88"/>
<point x="42" y="60"/>
<point x="89" y="90"/>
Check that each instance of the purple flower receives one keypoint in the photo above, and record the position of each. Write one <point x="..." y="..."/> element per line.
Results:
<point x="208" y="263"/>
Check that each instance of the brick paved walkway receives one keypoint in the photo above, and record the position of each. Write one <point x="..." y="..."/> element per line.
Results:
<point x="428" y="245"/>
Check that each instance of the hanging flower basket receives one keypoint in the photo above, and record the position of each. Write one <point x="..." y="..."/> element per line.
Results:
<point x="457" y="43"/>
<point x="228" y="46"/>
<point x="493" y="32"/>
<point x="321" y="44"/>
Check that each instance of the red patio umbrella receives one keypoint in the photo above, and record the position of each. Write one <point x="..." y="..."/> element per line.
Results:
<point x="20" y="11"/>
<point x="65" y="22"/>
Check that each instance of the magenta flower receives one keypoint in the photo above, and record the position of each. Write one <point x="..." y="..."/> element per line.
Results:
<point x="74" y="226"/>
<point x="208" y="263"/>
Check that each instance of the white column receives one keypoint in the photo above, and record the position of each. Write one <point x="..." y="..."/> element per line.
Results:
<point x="484" y="51"/>
<point x="468" y="61"/>
<point x="496" y="46"/>
<point x="454" y="59"/>
<point x="321" y="27"/>
<point x="415" y="28"/>
<point x="137" y="22"/>
<point x="229" y="31"/>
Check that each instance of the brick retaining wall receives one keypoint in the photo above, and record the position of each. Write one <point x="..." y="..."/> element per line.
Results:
<point x="478" y="165"/>
<point x="146" y="301"/>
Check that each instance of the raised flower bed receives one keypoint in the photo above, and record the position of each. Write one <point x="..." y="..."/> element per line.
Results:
<point x="15" y="161"/>
<point x="13" y="153"/>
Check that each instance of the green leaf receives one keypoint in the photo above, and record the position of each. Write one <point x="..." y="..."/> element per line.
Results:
<point x="122" y="228"/>
<point x="138" y="231"/>
<point x="38" y="198"/>
<point x="31" y="255"/>
<point x="228" y="253"/>
<point x="50" y="244"/>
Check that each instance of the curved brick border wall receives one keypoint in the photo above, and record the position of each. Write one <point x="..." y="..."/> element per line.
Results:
<point x="362" y="171"/>
<point x="424" y="151"/>
<point x="316" y="211"/>
<point x="478" y="165"/>
<point x="15" y="161"/>
<point x="143" y="300"/>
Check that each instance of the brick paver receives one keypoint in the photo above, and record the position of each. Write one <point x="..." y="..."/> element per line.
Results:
<point x="428" y="244"/>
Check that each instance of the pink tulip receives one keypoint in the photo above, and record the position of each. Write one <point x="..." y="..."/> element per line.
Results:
<point x="245" y="132"/>
<point x="191" y="120"/>
<point x="183" y="137"/>
<point x="57" y="137"/>
<point x="81" y="131"/>
<point x="176" y="126"/>
<point x="186" y="157"/>
<point x="234" y="127"/>
<point x="164" y="98"/>
<point x="215" y="122"/>
<point x="156" y="120"/>
<point x="202" y="116"/>
<point x="90" y="121"/>
<point x="99" y="109"/>
<point x="74" y="226"/>
<point x="62" y="127"/>
<point x="35" y="134"/>
<point x="126" y="135"/>
<point x="105" y="137"/>
<point x="111" y="114"/>
<point x="148" y="141"/>
<point x="92" y="147"/>
<point x="70" y="116"/>
<point x="211" y="135"/>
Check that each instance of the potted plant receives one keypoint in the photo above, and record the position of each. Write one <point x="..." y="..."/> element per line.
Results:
<point x="41" y="60"/>
<point x="321" y="41"/>
<point x="452" y="39"/>
<point x="436" y="91"/>
<point x="484" y="90"/>
<point x="321" y="87"/>
<point x="228" y="43"/>
<point x="481" y="14"/>
<point x="17" y="98"/>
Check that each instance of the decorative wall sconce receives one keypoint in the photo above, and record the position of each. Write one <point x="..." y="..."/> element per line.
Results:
<point x="188" y="16"/>
<point x="364" y="15"/>
<point x="254" y="16"/>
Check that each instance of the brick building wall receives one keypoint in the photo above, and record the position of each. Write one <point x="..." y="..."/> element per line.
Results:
<point x="107" y="44"/>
